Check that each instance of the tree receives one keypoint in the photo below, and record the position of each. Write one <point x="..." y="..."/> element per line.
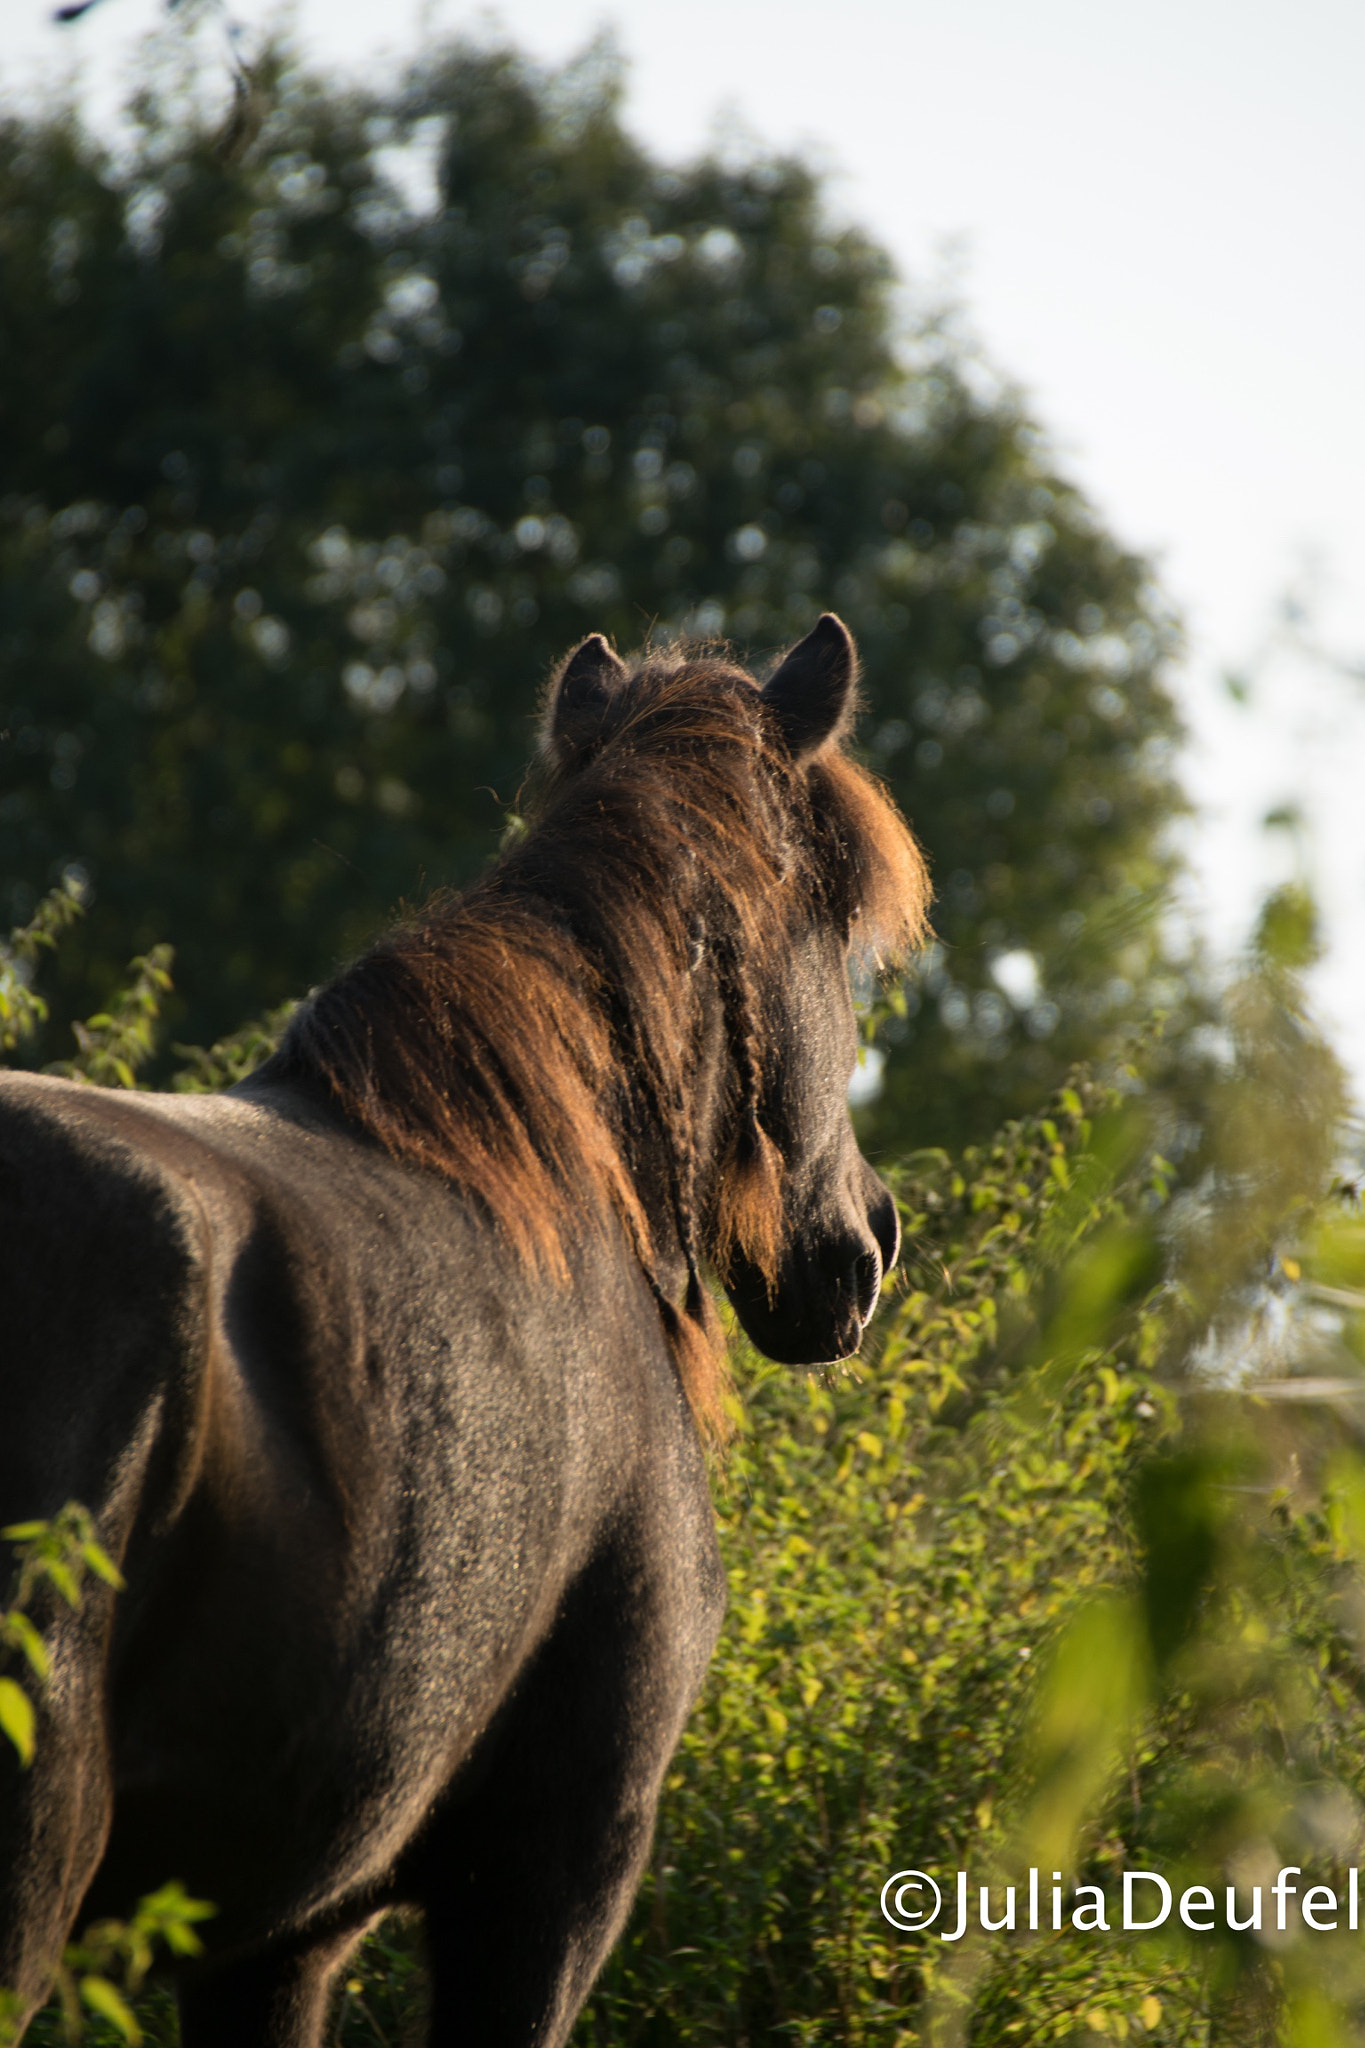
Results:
<point x="309" y="474"/>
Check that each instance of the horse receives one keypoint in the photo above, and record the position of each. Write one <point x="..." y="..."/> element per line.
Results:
<point x="387" y="1374"/>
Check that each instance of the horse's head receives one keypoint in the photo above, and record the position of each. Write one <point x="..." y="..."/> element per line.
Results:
<point x="807" y="1230"/>
<point x="803" y="1251"/>
<point x="792" y="860"/>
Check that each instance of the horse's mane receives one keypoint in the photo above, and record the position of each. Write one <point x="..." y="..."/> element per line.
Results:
<point x="530" y="1039"/>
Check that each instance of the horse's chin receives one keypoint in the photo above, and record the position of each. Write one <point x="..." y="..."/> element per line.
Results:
<point x="811" y="1333"/>
<point x="818" y="1304"/>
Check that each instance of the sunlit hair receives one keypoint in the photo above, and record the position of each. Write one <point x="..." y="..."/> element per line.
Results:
<point x="533" y="1039"/>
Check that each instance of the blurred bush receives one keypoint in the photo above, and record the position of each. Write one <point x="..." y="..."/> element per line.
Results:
<point x="1068" y="1577"/>
<point x="315" y="454"/>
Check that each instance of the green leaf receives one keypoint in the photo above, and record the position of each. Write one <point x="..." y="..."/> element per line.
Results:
<point x="172" y="1898"/>
<point x="169" y="1915"/>
<point x="102" y="1565"/>
<point x="64" y="1579"/>
<point x="16" y="1718"/>
<point x="102" y="1997"/>
<point x="19" y="1630"/>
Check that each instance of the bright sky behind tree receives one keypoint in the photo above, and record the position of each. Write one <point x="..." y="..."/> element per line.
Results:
<point x="1151" y="216"/>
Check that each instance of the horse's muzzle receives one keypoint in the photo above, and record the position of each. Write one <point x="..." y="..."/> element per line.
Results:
<point x="826" y="1290"/>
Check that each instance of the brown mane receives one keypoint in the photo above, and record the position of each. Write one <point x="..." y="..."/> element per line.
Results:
<point x="530" y="1039"/>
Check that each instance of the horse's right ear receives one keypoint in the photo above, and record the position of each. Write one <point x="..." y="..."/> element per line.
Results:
<point x="814" y="691"/>
<point x="579" y="693"/>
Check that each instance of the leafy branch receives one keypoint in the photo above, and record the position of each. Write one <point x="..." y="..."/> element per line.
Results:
<point x="118" y="1041"/>
<point x="107" y="1966"/>
<point x="22" y="1009"/>
<point x="208" y="1068"/>
<point x="58" y="1552"/>
<point x="115" y="1042"/>
<point x="125" y="1950"/>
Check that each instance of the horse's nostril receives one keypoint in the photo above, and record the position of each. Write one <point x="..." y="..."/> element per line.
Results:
<point x="868" y="1282"/>
<point x="884" y="1224"/>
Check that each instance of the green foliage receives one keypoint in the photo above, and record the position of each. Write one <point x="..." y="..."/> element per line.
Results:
<point x="903" y="1545"/>
<point x="102" y="1971"/>
<point x="108" y="1965"/>
<point x="1064" y="1578"/>
<point x="58" y="1553"/>
<point x="113" y="1043"/>
<point x="1180" y="1591"/>
<point x="117" y="1041"/>
<point x="22" y="1010"/>
<point x="384" y="2001"/>
<point x="271" y="647"/>
<point x="1287" y="932"/>
<point x="233" y="1058"/>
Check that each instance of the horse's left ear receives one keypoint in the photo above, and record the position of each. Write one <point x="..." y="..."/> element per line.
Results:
<point x="815" y="689"/>
<point x="579" y="693"/>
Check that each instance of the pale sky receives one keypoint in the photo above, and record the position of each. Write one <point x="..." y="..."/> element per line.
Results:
<point x="1155" y="210"/>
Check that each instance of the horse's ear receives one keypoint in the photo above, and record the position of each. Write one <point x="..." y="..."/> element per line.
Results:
<point x="579" y="693"/>
<point x="815" y="689"/>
